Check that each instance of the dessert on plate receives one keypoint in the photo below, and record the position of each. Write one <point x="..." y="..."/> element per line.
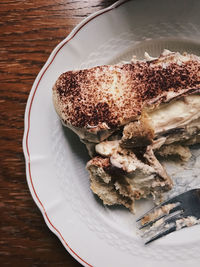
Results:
<point x="129" y="113"/>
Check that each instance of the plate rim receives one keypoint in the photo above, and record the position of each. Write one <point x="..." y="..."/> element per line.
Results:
<point x="27" y="116"/>
<point x="29" y="139"/>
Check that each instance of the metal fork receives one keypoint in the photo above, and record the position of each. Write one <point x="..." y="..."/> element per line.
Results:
<point x="172" y="215"/>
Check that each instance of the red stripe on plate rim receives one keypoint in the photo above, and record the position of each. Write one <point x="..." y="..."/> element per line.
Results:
<point x="72" y="252"/>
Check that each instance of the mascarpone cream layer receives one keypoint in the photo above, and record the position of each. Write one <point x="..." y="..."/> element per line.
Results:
<point x="176" y="114"/>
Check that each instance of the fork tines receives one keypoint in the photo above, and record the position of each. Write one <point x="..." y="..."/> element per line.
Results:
<point x="174" y="214"/>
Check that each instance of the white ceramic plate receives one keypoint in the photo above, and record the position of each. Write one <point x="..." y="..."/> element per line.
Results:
<point x="55" y="159"/>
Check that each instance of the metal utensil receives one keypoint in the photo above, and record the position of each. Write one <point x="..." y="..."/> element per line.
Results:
<point x="172" y="215"/>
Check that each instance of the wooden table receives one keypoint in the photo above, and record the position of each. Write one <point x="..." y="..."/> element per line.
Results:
<point x="30" y="29"/>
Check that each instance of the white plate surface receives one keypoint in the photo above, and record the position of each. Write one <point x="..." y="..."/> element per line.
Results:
<point x="55" y="159"/>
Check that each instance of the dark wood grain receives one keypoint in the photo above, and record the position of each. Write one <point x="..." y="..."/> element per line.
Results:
<point x="29" y="32"/>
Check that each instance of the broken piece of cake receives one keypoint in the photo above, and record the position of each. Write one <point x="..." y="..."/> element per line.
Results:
<point x="126" y="114"/>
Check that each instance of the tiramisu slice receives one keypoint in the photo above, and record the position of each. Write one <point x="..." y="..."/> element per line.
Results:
<point x="132" y="110"/>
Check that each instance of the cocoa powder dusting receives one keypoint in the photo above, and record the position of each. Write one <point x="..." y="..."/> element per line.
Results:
<point x="112" y="94"/>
